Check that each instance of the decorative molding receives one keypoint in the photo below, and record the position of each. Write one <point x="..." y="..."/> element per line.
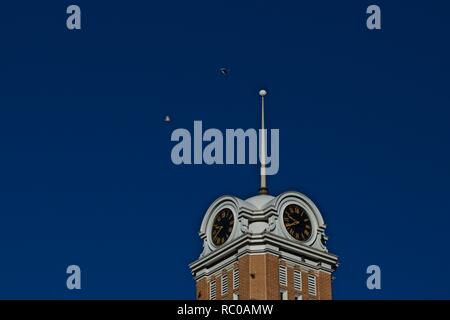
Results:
<point x="260" y="244"/>
<point x="259" y="230"/>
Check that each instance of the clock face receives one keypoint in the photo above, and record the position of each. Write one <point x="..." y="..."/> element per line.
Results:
<point x="222" y="226"/>
<point x="297" y="222"/>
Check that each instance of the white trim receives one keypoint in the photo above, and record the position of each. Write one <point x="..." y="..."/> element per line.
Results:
<point x="311" y="216"/>
<point x="211" y="221"/>
<point x="273" y="244"/>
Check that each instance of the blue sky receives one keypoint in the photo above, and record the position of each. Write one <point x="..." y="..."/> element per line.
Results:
<point x="85" y="170"/>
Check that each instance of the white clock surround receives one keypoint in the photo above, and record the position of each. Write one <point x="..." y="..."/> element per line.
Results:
<point x="262" y="215"/>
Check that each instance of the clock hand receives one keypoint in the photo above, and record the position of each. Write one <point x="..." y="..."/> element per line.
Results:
<point x="292" y="224"/>
<point x="289" y="216"/>
<point x="217" y="233"/>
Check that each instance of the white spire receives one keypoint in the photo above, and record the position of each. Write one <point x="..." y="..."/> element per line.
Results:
<point x="263" y="187"/>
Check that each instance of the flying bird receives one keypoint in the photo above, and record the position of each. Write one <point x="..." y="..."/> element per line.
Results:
<point x="224" y="71"/>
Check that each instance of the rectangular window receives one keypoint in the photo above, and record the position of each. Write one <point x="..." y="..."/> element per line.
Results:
<point x="235" y="278"/>
<point x="312" y="290"/>
<point x="283" y="295"/>
<point x="212" y="290"/>
<point x="297" y="280"/>
<point x="298" y="297"/>
<point x="235" y="296"/>
<point x="224" y="284"/>
<point x="283" y="275"/>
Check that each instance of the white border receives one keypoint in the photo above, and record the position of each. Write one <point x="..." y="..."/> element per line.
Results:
<point x="211" y="221"/>
<point x="311" y="216"/>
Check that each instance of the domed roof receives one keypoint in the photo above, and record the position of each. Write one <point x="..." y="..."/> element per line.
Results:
<point x="260" y="201"/>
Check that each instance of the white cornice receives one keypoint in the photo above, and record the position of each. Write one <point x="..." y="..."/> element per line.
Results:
<point x="264" y="243"/>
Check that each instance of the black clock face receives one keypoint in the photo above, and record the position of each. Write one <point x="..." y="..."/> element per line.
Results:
<point x="222" y="227"/>
<point x="297" y="222"/>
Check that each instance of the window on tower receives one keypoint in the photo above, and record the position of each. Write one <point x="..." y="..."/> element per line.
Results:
<point x="297" y="280"/>
<point x="212" y="290"/>
<point x="282" y="275"/>
<point x="235" y="278"/>
<point x="224" y="290"/>
<point x="312" y="290"/>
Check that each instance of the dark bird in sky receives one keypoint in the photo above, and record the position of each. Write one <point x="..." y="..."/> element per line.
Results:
<point x="224" y="71"/>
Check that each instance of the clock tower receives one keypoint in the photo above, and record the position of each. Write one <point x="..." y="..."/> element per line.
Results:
<point x="264" y="247"/>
